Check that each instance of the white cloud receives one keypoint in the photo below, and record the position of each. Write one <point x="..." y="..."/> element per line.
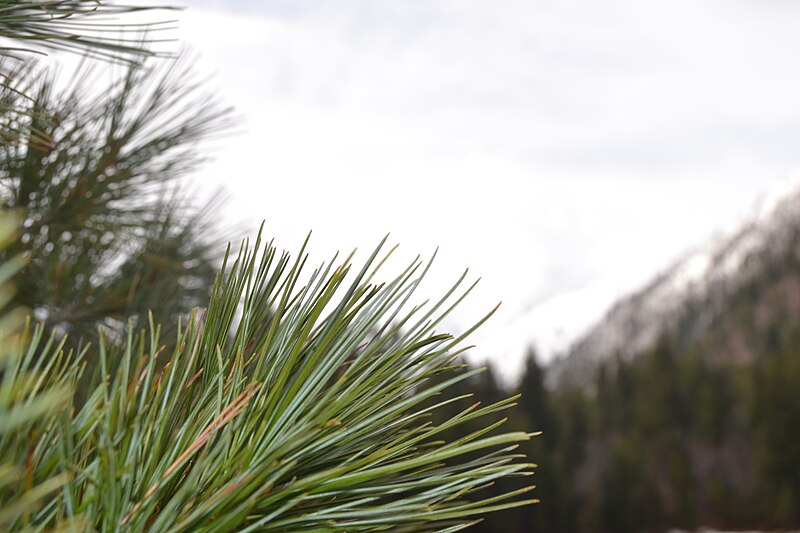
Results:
<point x="563" y="150"/>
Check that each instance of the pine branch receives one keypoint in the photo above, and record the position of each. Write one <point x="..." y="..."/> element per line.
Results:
<point x="317" y="422"/>
<point x="81" y="26"/>
<point x="109" y="234"/>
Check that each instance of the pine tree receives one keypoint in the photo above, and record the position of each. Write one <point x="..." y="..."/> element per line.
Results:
<point x="293" y="401"/>
<point x="108" y="230"/>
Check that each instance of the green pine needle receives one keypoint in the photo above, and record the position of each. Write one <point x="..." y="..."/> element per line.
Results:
<point x="289" y="404"/>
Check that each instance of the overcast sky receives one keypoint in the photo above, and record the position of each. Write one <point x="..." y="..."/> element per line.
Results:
<point x="564" y="151"/>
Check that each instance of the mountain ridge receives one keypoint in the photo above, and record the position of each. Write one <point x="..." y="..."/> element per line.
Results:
<point x="691" y="295"/>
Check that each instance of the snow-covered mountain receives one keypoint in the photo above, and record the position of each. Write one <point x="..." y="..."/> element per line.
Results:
<point x="689" y="297"/>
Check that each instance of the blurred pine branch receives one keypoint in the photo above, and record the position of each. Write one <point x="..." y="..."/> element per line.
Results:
<point x="91" y="28"/>
<point x="108" y="230"/>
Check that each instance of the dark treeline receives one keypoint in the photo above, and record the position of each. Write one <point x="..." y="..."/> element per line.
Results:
<point x="664" y="441"/>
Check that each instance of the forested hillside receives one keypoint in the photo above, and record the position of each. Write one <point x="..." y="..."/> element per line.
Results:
<point x="700" y="295"/>
<point x="701" y="429"/>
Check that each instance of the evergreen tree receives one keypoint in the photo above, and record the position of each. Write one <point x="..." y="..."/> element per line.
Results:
<point x="292" y="402"/>
<point x="94" y="171"/>
<point x="107" y="229"/>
